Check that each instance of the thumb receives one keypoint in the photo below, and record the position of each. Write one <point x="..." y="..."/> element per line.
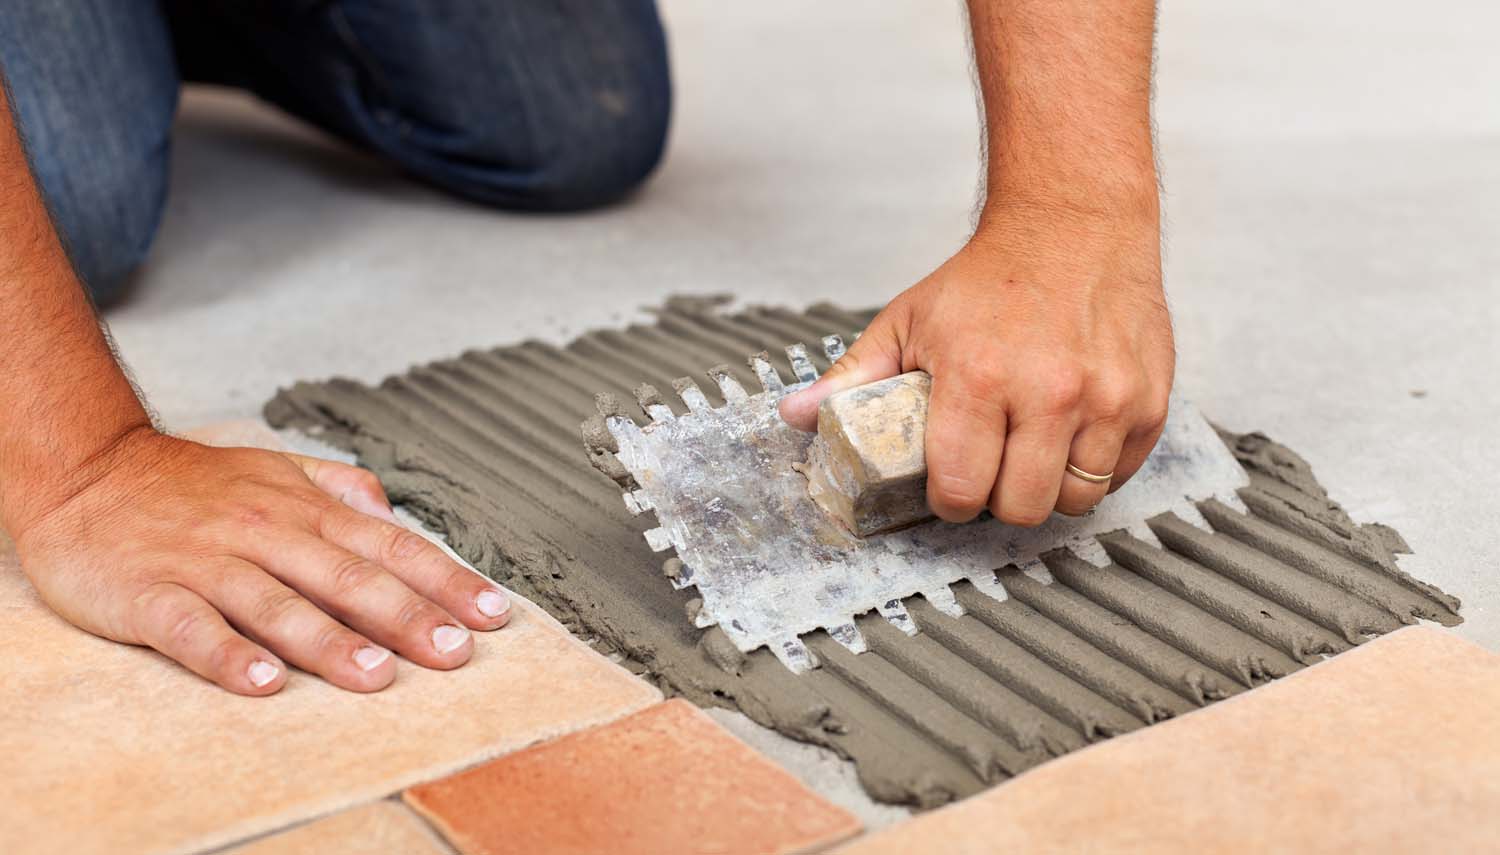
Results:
<point x="875" y="355"/>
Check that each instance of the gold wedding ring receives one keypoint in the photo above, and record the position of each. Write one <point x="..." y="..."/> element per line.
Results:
<point x="1088" y="476"/>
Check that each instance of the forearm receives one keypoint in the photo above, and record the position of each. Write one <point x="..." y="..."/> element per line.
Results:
<point x="1066" y="88"/>
<point x="63" y="398"/>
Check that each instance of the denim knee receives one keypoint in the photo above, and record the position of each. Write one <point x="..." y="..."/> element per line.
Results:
<point x="556" y="106"/>
<point x="108" y="224"/>
<point x="602" y="147"/>
<point x="93" y="90"/>
<point x="567" y="150"/>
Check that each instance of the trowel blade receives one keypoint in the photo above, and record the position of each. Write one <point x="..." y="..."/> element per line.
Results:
<point x="771" y="567"/>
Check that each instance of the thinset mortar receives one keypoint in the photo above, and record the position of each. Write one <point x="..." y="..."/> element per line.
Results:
<point x="485" y="448"/>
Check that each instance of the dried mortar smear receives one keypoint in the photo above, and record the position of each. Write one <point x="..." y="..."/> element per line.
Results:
<point x="485" y="448"/>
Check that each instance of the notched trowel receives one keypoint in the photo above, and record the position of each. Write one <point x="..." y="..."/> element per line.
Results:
<point x="783" y="533"/>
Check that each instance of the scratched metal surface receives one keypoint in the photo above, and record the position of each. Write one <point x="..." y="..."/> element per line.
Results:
<point x="770" y="566"/>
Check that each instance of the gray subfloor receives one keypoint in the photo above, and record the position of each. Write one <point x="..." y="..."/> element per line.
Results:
<point x="1332" y="233"/>
<point x="1332" y="177"/>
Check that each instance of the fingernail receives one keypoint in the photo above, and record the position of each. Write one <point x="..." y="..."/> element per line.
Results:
<point x="261" y="672"/>
<point x="491" y="603"/>
<point x="448" y="638"/>
<point x="369" y="657"/>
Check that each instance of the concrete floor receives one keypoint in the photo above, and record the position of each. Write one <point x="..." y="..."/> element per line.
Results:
<point x="1332" y="220"/>
<point x="1332" y="180"/>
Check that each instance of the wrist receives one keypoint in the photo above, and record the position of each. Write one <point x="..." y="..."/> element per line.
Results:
<point x="33" y="485"/>
<point x="1122" y="192"/>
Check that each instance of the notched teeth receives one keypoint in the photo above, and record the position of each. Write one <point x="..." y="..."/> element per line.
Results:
<point x="608" y="405"/>
<point x="1142" y="532"/>
<point x="1089" y="550"/>
<point x="849" y="636"/>
<point x="651" y="403"/>
<point x="658" y="539"/>
<point x="1233" y="501"/>
<point x="1189" y="513"/>
<point x="637" y="502"/>
<point x="695" y="612"/>
<point x="794" y="655"/>
<point x="647" y="395"/>
<point x="678" y="573"/>
<point x="802" y="366"/>
<point x="988" y="583"/>
<point x="732" y="390"/>
<point x="611" y="466"/>
<point x="597" y="437"/>
<point x="896" y="613"/>
<point x="1037" y="571"/>
<point x="760" y="363"/>
<point x="833" y="347"/>
<point x="943" y="600"/>
<point x="691" y="395"/>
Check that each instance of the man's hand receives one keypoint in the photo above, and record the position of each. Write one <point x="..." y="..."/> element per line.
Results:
<point x="1048" y="341"/>
<point x="1047" y="336"/>
<point x="231" y="561"/>
<point x="234" y="561"/>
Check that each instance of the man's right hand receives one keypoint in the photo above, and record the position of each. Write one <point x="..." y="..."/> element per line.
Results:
<point x="235" y="561"/>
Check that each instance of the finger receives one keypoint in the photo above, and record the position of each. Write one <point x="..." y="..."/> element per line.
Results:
<point x="965" y="436"/>
<point x="1137" y="447"/>
<point x="1096" y="450"/>
<point x="1036" y="456"/>
<point x="422" y="565"/>
<point x="368" y="598"/>
<point x="182" y="625"/>
<point x="875" y="355"/>
<point x="358" y="488"/>
<point x="305" y="635"/>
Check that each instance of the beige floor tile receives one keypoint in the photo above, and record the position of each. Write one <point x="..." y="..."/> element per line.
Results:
<point x="380" y="828"/>
<point x="115" y="749"/>
<point x="249" y="433"/>
<point x="1392" y="747"/>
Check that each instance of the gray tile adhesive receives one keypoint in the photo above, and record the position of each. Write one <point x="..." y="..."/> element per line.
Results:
<point x="485" y="448"/>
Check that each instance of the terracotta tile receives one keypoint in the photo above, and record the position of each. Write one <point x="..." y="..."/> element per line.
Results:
<point x="1391" y="747"/>
<point x="114" y="749"/>
<point x="665" y="780"/>
<point x="379" y="828"/>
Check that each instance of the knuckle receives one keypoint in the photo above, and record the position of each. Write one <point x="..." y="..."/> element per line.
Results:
<point x="400" y="545"/>
<point x="1113" y="397"/>
<point x="958" y="494"/>
<point x="155" y="607"/>
<point x="417" y="613"/>
<point x="350" y="574"/>
<point x="221" y="660"/>
<point x="979" y="377"/>
<point x="275" y="607"/>
<point x="846" y="363"/>
<point x="182" y="626"/>
<point x="1059" y="389"/>
<point x="1155" y="418"/>
<point x="333" y="639"/>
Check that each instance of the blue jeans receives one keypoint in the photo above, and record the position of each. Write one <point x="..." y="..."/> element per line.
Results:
<point x="523" y="104"/>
